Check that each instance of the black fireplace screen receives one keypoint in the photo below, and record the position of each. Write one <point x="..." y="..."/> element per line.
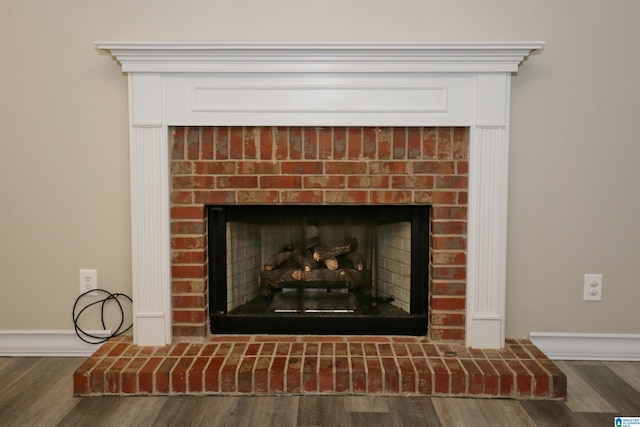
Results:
<point x="318" y="269"/>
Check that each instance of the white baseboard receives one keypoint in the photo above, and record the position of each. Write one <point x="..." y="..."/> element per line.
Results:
<point x="580" y="346"/>
<point x="47" y="343"/>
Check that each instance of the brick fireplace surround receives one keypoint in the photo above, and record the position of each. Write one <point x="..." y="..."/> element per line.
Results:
<point x="391" y="124"/>
<point x="319" y="165"/>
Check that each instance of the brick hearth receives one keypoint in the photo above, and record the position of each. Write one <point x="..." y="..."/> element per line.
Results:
<point x="254" y="365"/>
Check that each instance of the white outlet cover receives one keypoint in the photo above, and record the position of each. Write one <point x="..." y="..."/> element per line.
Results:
<point x="88" y="280"/>
<point x="592" y="287"/>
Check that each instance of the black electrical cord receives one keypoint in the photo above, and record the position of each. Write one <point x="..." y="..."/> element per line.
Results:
<point x="110" y="297"/>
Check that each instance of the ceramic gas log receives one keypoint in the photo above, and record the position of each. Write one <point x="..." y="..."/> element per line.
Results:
<point x="312" y="264"/>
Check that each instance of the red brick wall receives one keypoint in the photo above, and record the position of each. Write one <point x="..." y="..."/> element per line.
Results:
<point x="278" y="165"/>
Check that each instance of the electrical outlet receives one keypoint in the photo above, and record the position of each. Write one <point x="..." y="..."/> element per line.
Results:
<point x="88" y="281"/>
<point x="593" y="287"/>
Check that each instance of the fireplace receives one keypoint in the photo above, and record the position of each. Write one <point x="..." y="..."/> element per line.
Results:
<point x="316" y="84"/>
<point x="328" y="269"/>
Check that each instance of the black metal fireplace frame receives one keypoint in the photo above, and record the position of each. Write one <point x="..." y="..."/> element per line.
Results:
<point x="221" y="322"/>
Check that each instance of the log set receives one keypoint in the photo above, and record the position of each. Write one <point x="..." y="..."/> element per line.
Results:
<point x="313" y="264"/>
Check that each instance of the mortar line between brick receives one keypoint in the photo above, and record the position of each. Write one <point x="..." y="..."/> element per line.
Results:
<point x="366" y="368"/>
<point x="317" y="373"/>
<point x="416" y="385"/>
<point x="348" y="353"/>
<point x="155" y="372"/>
<point x="514" y="376"/>
<point x="286" y="367"/>
<point x="96" y="362"/>
<point x="383" y="371"/>
<point x="526" y="349"/>
<point x="237" y="371"/>
<point x="303" y="357"/>
<point x="432" y="372"/>
<point x="416" y="376"/>
<point x="399" y="371"/>
<point x="203" y="376"/>
<point x="532" y="377"/>
<point x="334" y="368"/>
<point x="253" y="371"/>
<point x="549" y="376"/>
<point x="186" y="371"/>
<point x="255" y="364"/>
<point x="467" y="375"/>
<point x="122" y="373"/>
<point x="272" y="359"/>
<point x="221" y="368"/>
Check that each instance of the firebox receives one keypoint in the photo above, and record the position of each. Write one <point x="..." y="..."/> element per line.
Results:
<point x="318" y="269"/>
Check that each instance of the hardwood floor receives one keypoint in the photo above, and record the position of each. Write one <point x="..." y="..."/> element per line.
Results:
<point x="39" y="392"/>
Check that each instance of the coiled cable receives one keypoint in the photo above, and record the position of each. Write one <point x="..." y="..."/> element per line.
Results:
<point x="93" y="339"/>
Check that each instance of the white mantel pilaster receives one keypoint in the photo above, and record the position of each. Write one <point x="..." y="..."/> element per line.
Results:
<point x="320" y="84"/>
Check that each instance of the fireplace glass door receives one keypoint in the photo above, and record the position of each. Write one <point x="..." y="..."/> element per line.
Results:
<point x="318" y="269"/>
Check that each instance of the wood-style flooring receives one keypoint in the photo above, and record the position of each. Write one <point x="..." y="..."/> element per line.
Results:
<point x="39" y="392"/>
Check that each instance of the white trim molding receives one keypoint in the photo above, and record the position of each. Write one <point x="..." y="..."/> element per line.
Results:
<point x="189" y="57"/>
<point x="320" y="84"/>
<point x="587" y="346"/>
<point x="42" y="343"/>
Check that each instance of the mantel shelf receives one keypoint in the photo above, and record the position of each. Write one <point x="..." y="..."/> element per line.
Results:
<point x="319" y="57"/>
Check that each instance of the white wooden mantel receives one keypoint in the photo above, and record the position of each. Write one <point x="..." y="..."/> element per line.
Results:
<point x="320" y="84"/>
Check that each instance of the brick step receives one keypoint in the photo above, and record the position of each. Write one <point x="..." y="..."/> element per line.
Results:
<point x="264" y="364"/>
